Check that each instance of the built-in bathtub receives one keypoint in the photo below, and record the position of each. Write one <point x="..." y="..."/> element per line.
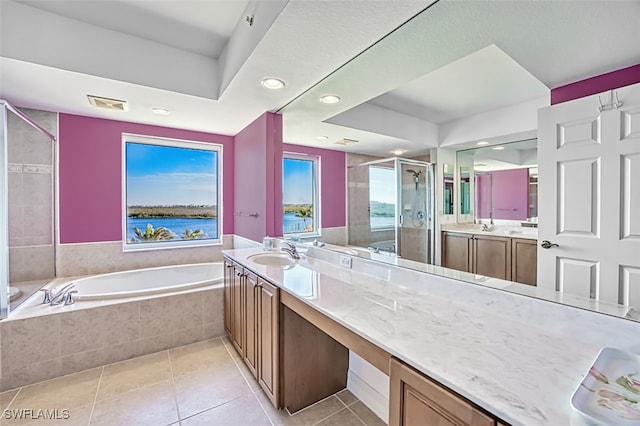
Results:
<point x="115" y="316"/>
<point x="146" y="282"/>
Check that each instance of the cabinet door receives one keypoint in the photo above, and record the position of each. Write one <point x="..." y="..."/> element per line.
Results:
<point x="237" y="327"/>
<point x="492" y="256"/>
<point x="250" y="322"/>
<point x="456" y="251"/>
<point x="228" y="279"/>
<point x="268" y="332"/>
<point x="524" y="261"/>
<point x="416" y="400"/>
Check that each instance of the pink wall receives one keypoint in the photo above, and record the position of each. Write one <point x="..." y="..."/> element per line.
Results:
<point x="509" y="190"/>
<point x="590" y="86"/>
<point x="332" y="183"/>
<point x="90" y="171"/>
<point x="258" y="178"/>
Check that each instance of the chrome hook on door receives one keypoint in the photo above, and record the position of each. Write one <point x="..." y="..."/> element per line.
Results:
<point x="547" y="245"/>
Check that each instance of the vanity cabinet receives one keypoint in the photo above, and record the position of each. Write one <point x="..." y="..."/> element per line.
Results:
<point x="234" y="304"/>
<point x="456" y="251"/>
<point x="491" y="256"/>
<point x="524" y="261"/>
<point x="511" y="259"/>
<point x="416" y="400"/>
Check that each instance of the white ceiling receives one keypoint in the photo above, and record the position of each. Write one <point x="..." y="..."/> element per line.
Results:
<point x="484" y="80"/>
<point x="460" y="58"/>
<point x="197" y="26"/>
<point x="456" y="59"/>
<point x="303" y="43"/>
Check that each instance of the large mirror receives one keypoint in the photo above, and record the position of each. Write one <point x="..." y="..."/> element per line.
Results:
<point x="429" y="89"/>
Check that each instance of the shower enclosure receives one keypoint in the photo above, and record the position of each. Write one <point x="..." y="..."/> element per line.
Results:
<point x="27" y="251"/>
<point x="391" y="208"/>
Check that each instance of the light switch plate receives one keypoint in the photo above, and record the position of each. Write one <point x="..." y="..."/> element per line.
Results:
<point x="346" y="261"/>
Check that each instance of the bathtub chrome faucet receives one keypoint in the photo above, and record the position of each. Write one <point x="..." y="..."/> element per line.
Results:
<point x="290" y="249"/>
<point x="64" y="295"/>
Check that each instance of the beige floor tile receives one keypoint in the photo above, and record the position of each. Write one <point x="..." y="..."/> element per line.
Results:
<point x="366" y="415"/>
<point x="67" y="392"/>
<point x="133" y="374"/>
<point x="209" y="388"/>
<point x="7" y="397"/>
<point x="241" y="411"/>
<point x="347" y="397"/>
<point x="151" y="405"/>
<point x="342" y="418"/>
<point x="316" y="413"/>
<point x="198" y="356"/>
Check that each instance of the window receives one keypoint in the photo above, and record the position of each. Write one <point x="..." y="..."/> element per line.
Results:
<point x="300" y="194"/>
<point x="171" y="193"/>
<point x="382" y="198"/>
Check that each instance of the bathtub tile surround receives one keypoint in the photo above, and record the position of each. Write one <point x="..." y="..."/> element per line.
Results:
<point x="43" y="347"/>
<point x="199" y="384"/>
<point x="99" y="258"/>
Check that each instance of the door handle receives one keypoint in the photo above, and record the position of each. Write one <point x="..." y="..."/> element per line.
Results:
<point x="547" y="245"/>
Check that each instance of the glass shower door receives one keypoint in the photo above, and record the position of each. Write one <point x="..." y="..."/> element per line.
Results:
<point x="414" y="236"/>
<point x="4" y="216"/>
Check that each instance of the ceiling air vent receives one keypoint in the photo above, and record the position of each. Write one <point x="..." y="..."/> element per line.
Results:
<point x="346" y="141"/>
<point x="106" y="103"/>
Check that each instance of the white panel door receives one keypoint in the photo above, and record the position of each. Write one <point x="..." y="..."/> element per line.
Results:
<point x="589" y="198"/>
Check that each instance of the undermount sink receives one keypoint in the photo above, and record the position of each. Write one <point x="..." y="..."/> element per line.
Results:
<point x="272" y="259"/>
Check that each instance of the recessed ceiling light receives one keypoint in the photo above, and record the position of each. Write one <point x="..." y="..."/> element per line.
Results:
<point x="272" y="83"/>
<point x="398" y="151"/>
<point x="322" y="138"/>
<point x="482" y="143"/>
<point x="498" y="148"/>
<point x="107" y="103"/>
<point x="330" y="99"/>
<point x="480" y="165"/>
<point x="346" y="141"/>
<point x="160" y="111"/>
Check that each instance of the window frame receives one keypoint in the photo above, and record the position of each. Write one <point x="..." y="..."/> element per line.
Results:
<point x="316" y="179"/>
<point x="175" y="143"/>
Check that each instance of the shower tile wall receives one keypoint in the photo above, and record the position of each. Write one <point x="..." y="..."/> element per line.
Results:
<point x="31" y="188"/>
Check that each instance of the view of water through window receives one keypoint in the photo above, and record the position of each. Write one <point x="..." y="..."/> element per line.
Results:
<point x="299" y="195"/>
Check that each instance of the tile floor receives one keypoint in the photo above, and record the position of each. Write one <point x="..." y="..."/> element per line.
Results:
<point x="205" y="383"/>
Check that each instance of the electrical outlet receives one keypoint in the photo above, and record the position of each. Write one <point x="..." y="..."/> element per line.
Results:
<point x="345" y="261"/>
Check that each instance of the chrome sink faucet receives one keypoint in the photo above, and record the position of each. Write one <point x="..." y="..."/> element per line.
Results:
<point x="64" y="295"/>
<point x="290" y="249"/>
<point x="485" y="227"/>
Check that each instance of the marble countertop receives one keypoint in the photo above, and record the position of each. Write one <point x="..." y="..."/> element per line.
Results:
<point x="517" y="357"/>
<point x="496" y="231"/>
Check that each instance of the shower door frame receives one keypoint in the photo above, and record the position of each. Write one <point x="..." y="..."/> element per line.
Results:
<point x="4" y="214"/>
<point x="429" y="181"/>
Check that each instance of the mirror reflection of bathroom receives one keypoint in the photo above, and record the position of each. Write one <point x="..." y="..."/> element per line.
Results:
<point x="390" y="206"/>
<point x="505" y="184"/>
<point x="448" y="185"/>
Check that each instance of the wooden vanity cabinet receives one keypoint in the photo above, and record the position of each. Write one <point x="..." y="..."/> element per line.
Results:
<point x="234" y="303"/>
<point x="524" y="261"/>
<point x="511" y="259"/>
<point x="261" y="344"/>
<point x="457" y="251"/>
<point x="492" y="256"/>
<point x="415" y="400"/>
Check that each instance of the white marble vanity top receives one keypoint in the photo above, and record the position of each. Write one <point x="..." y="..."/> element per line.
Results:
<point x="494" y="230"/>
<point x="517" y="357"/>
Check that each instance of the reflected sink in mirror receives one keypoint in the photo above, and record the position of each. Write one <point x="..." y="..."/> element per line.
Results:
<point x="273" y="259"/>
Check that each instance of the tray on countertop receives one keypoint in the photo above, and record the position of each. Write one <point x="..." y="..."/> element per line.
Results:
<point x="609" y="394"/>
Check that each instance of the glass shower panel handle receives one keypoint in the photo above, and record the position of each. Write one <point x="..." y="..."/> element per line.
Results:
<point x="401" y="219"/>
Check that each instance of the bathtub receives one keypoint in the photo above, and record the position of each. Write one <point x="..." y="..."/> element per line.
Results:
<point x="145" y="282"/>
